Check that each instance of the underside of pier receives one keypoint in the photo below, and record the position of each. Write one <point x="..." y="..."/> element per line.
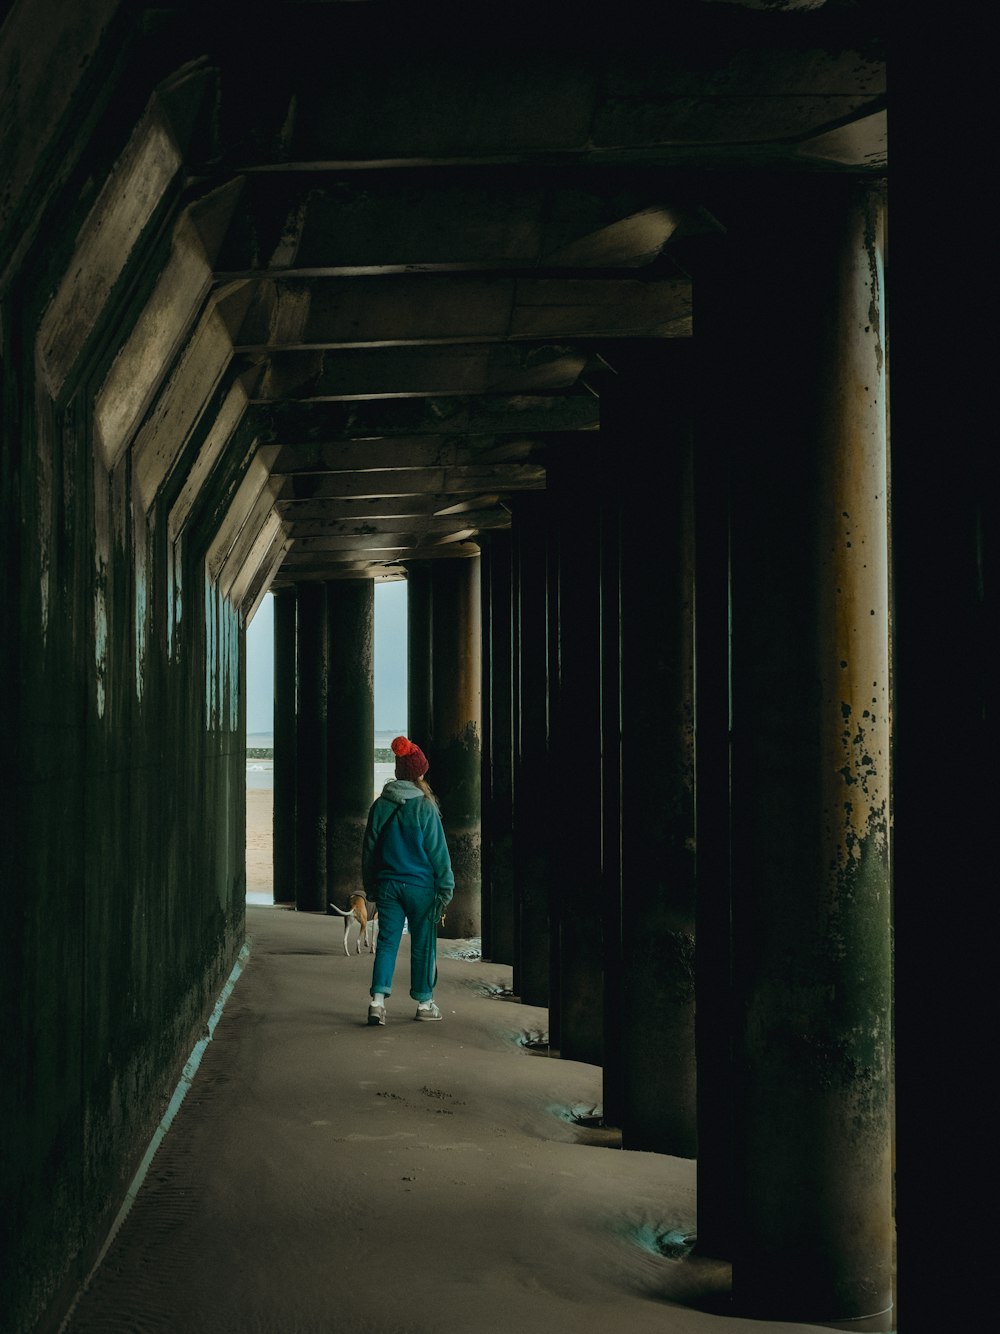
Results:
<point x="579" y="323"/>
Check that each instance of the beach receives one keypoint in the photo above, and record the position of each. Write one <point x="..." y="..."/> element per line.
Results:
<point x="260" y="808"/>
<point x="260" y="815"/>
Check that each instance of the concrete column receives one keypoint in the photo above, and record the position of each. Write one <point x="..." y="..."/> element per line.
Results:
<point x="574" y="802"/>
<point x="646" y="422"/>
<point x="350" y="729"/>
<point x="453" y="740"/>
<point x="945" y="578"/>
<point x="498" y="749"/>
<point x="283" y="819"/>
<point x="613" y="526"/>
<point x="715" y="426"/>
<point x="310" y="746"/>
<point x="419" y="654"/>
<point x="531" y="758"/>
<point x="810" y="689"/>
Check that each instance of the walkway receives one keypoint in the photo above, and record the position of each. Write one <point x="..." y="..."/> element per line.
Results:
<point x="420" y="1178"/>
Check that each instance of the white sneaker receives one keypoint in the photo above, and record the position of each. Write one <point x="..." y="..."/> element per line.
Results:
<point x="426" y="1010"/>
<point x="376" y="1014"/>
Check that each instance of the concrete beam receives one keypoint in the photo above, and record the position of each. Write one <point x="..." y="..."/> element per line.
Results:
<point x="399" y="372"/>
<point x="120" y="215"/>
<point x="773" y="90"/>
<point x="250" y="529"/>
<point x="254" y="480"/>
<point x="429" y="308"/>
<point x="865" y="141"/>
<point x="229" y="417"/>
<point x="39" y="81"/>
<point x="270" y="533"/>
<point x="412" y="540"/>
<point x="166" y="431"/>
<point x="380" y="571"/>
<point x="734" y="79"/>
<point x="313" y="224"/>
<point x="261" y="582"/>
<point x="317" y="523"/>
<point x="387" y="482"/>
<point x="161" y="328"/>
<point x="314" y="464"/>
<point x="295" y="423"/>
<point x="299" y="563"/>
<point x="486" y="103"/>
<point x="387" y="507"/>
<point x="152" y="345"/>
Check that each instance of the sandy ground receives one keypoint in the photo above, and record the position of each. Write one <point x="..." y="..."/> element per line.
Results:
<point x="321" y="1175"/>
<point x="260" y="809"/>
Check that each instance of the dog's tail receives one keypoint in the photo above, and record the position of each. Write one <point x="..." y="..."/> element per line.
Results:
<point x="349" y="913"/>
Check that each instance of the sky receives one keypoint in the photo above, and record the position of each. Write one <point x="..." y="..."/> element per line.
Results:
<point x="390" y="662"/>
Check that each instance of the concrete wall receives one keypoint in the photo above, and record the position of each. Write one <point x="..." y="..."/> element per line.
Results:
<point x="126" y="524"/>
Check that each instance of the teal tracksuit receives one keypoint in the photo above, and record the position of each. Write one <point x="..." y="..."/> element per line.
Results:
<point x="406" y="869"/>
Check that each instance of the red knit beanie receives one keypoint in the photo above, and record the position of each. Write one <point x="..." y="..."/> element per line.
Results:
<point x="411" y="762"/>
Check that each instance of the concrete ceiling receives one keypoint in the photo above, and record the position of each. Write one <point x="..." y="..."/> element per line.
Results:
<point x="411" y="255"/>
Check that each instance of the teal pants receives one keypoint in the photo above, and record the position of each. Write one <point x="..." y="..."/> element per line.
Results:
<point x="399" y="901"/>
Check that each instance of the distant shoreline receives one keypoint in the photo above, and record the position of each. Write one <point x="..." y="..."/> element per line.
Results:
<point x="383" y="755"/>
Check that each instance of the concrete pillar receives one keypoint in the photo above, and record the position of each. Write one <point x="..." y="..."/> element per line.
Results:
<point x="283" y="817"/>
<point x="715" y="427"/>
<point x="448" y="602"/>
<point x="945" y="578"/>
<point x="350" y="729"/>
<point x="419" y="653"/>
<point x="498" y="749"/>
<point x="310" y="748"/>
<point x="613" y="525"/>
<point x="810" y="794"/>
<point x="531" y="757"/>
<point x="574" y="802"/>
<point x="646" y="421"/>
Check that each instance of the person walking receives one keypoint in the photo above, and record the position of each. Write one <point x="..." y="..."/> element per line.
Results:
<point x="406" y="868"/>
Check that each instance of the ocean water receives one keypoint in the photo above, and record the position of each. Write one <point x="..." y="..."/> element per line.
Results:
<point x="260" y="775"/>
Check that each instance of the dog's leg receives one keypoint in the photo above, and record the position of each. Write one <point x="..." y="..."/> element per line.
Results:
<point x="347" y="927"/>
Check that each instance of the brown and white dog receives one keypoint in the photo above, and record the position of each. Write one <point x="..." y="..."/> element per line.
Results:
<point x="365" y="914"/>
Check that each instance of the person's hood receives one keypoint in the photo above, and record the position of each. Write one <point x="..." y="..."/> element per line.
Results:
<point x="400" y="790"/>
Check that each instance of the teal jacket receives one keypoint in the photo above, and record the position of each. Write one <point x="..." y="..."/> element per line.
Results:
<point x="404" y="840"/>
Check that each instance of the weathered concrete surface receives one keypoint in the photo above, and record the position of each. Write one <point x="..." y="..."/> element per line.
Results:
<point x="341" y="313"/>
<point x="291" y="422"/>
<point x="498" y="750"/>
<point x="350" y="735"/>
<point x="572" y="814"/>
<point x="445" y="717"/>
<point x="653" y="1015"/>
<point x="255" y="484"/>
<point x="460" y="368"/>
<point x="122" y="714"/>
<point x="302" y="222"/>
<point x="533" y="852"/>
<point x="311" y="680"/>
<point x="120" y="214"/>
<point x="811" y="888"/>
